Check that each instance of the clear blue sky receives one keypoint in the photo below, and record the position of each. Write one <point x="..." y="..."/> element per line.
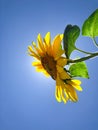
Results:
<point x="27" y="100"/>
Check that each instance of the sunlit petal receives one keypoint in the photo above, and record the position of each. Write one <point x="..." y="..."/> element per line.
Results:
<point x="47" y="39"/>
<point x="75" y="84"/>
<point x="32" y="53"/>
<point x="40" y="43"/>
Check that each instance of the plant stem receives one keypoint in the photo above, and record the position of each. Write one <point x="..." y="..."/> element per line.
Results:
<point x="95" y="43"/>
<point x="83" y="58"/>
<point x="83" y="51"/>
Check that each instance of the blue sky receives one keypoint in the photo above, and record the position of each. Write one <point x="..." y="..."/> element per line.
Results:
<point x="27" y="100"/>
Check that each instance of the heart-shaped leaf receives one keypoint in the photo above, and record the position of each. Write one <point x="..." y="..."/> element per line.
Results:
<point x="71" y="33"/>
<point x="90" y="26"/>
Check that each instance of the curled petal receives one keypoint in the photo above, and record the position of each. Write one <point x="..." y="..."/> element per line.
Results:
<point x="64" y="98"/>
<point x="58" y="93"/>
<point x="71" y="93"/>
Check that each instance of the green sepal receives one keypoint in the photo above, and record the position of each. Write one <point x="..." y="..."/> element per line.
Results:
<point x="90" y="26"/>
<point x="71" y="34"/>
<point x="79" y="70"/>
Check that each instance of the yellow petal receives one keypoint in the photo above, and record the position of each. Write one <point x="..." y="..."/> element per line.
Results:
<point x="62" y="61"/>
<point x="47" y="39"/>
<point x="73" y="96"/>
<point x="71" y="93"/>
<point x="57" y="94"/>
<point x="59" y="69"/>
<point x="60" y="91"/>
<point x="40" y="42"/>
<point x="32" y="53"/>
<point x="47" y="44"/>
<point x="78" y="88"/>
<point x="39" y="69"/>
<point x="30" y="49"/>
<point x="65" y="99"/>
<point x="75" y="84"/>
<point x="37" y="49"/>
<point x="64" y="75"/>
<point x="61" y="36"/>
<point x="36" y="63"/>
<point x="58" y="80"/>
<point x="56" y="44"/>
<point x="46" y="74"/>
<point x="58" y="54"/>
<point x="65" y="92"/>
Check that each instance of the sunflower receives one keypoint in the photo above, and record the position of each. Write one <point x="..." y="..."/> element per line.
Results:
<point x="50" y="61"/>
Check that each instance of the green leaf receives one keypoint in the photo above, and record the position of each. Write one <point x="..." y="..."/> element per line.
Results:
<point x="79" y="70"/>
<point x="71" y="33"/>
<point x="90" y="26"/>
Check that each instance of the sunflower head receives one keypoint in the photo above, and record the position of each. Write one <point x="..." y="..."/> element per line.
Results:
<point x="48" y="55"/>
<point x="50" y="61"/>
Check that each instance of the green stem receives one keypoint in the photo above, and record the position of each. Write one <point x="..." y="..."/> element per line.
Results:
<point x="83" y="51"/>
<point x="95" y="43"/>
<point x="83" y="58"/>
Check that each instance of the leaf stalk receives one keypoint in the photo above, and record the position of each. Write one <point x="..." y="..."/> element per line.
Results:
<point x="83" y="58"/>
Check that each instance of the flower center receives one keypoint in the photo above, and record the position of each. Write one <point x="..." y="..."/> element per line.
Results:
<point x="49" y="65"/>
